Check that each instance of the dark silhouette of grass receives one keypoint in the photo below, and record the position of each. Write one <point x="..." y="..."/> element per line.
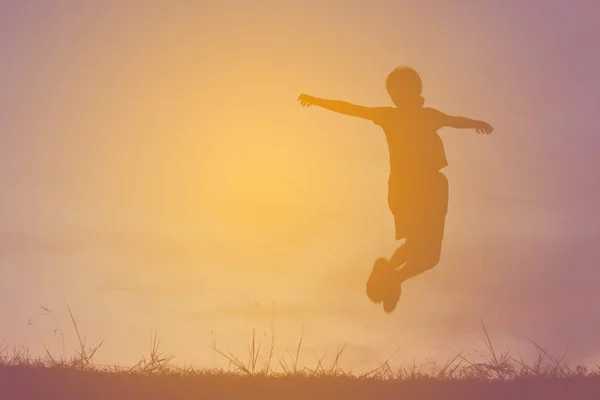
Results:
<point x="495" y="376"/>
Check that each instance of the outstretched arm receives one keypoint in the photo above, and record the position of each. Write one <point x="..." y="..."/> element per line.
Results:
<point x="480" y="127"/>
<point x="342" y="107"/>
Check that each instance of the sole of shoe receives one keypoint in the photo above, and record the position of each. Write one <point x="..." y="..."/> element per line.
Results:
<point x="377" y="281"/>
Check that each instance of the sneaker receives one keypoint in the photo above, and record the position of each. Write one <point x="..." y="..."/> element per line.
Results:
<point x="377" y="281"/>
<point x="393" y="291"/>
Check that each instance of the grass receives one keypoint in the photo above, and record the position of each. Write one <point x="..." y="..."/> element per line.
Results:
<point x="259" y="375"/>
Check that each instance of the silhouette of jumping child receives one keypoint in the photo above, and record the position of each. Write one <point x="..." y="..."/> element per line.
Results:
<point x="417" y="190"/>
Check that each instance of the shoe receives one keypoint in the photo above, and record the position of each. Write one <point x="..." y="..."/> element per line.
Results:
<point x="392" y="294"/>
<point x="377" y="280"/>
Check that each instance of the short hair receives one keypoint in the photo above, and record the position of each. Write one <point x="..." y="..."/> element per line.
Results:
<point x="407" y="77"/>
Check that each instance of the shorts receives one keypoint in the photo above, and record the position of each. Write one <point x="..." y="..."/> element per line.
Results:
<point x="419" y="205"/>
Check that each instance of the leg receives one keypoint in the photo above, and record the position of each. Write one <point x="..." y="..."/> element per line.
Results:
<point x="423" y="246"/>
<point x="418" y="261"/>
<point x="424" y="260"/>
<point x="399" y="257"/>
<point x="382" y="272"/>
<point x="426" y="237"/>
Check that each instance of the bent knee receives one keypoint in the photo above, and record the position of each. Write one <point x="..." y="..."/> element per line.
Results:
<point x="428" y="262"/>
<point x="427" y="257"/>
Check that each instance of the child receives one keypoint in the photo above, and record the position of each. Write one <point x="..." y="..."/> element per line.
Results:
<point x="417" y="190"/>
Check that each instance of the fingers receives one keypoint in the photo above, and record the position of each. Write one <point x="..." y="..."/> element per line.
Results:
<point x="304" y="100"/>
<point x="484" y="130"/>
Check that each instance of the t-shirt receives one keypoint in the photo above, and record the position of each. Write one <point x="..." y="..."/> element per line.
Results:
<point x="413" y="142"/>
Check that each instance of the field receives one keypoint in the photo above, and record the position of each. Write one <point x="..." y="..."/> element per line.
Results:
<point x="259" y="376"/>
<point x="37" y="382"/>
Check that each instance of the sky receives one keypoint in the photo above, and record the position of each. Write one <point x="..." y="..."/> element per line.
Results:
<point x="158" y="174"/>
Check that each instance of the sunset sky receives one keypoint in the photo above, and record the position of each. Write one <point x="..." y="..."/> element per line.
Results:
<point x="158" y="174"/>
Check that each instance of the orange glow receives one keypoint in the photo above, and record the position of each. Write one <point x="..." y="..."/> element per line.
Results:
<point x="160" y="154"/>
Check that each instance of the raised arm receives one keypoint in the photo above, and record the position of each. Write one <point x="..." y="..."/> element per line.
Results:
<point x="450" y="121"/>
<point x="342" y="107"/>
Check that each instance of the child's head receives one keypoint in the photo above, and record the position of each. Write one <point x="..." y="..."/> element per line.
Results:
<point x="404" y="87"/>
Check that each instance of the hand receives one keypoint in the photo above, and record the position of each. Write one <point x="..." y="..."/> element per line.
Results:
<point x="483" y="128"/>
<point x="306" y="100"/>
